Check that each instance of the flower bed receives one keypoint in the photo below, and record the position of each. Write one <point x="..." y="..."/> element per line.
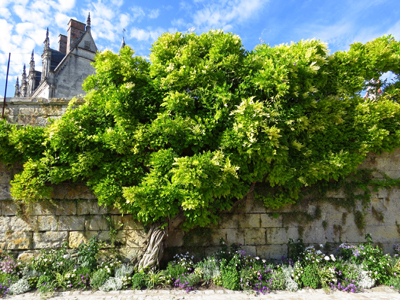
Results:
<point x="352" y="269"/>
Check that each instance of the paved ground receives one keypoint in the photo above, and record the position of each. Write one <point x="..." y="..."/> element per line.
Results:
<point x="378" y="293"/>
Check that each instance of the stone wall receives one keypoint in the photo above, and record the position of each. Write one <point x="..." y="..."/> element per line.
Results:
<point x="74" y="216"/>
<point x="34" y="111"/>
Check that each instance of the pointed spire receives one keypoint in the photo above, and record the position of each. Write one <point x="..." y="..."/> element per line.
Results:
<point x="24" y="83"/>
<point x="17" y="92"/>
<point x="123" y="43"/>
<point x="47" y="40"/>
<point x="32" y="63"/>
<point x="88" y="23"/>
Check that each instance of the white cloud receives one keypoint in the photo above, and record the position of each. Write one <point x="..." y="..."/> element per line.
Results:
<point x="4" y="13"/>
<point x="137" y="13"/>
<point x="224" y="14"/>
<point x="66" y="5"/>
<point x="179" y="22"/>
<point x="145" y="34"/>
<point x="154" y="13"/>
<point x="117" y="3"/>
<point x="62" y="20"/>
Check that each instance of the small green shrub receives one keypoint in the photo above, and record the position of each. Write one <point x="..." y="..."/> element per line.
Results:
<point x="139" y="281"/>
<point x="230" y="274"/>
<point x="99" y="278"/>
<point x="310" y="277"/>
<point x="87" y="253"/>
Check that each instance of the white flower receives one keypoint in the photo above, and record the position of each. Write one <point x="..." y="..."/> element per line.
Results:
<point x="326" y="258"/>
<point x="333" y="257"/>
<point x="322" y="246"/>
<point x="257" y="258"/>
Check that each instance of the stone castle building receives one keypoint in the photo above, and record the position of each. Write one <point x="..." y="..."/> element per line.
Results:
<point x="63" y="70"/>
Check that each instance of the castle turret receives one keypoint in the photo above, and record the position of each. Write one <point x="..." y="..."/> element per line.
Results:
<point x="17" y="91"/>
<point x="122" y="43"/>
<point x="46" y="57"/>
<point x="32" y="75"/>
<point x="24" y="84"/>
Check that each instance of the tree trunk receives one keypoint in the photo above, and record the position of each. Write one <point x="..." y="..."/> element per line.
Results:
<point x="154" y="250"/>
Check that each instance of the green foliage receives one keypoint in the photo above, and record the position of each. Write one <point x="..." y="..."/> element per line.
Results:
<point x="192" y="130"/>
<point x="230" y="274"/>
<point x="310" y="277"/>
<point x="139" y="281"/>
<point x="98" y="278"/>
<point x="87" y="253"/>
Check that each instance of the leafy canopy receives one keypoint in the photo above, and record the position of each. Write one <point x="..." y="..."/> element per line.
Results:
<point x="192" y="130"/>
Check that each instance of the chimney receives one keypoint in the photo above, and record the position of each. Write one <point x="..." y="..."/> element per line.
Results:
<point x="62" y="43"/>
<point x="75" y="31"/>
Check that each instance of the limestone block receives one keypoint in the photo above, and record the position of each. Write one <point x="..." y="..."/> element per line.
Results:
<point x="211" y="250"/>
<point x="66" y="208"/>
<point x="43" y="208"/>
<point x="254" y="206"/>
<point x="47" y="223"/>
<point x="268" y="220"/>
<point x="231" y="221"/>
<point x="314" y="233"/>
<point x="272" y="251"/>
<point x="8" y="208"/>
<point x="49" y="239"/>
<point x="281" y="235"/>
<point x="129" y="254"/>
<point x="383" y="193"/>
<point x="254" y="236"/>
<point x="128" y="222"/>
<point x="27" y="256"/>
<point x="18" y="224"/>
<point x="75" y="238"/>
<point x="5" y="174"/>
<point x="18" y="240"/>
<point x="135" y="238"/>
<point x="71" y="223"/>
<point x="175" y="238"/>
<point x="383" y="234"/>
<point x="96" y="223"/>
<point x="217" y="235"/>
<point x="250" y="250"/>
<point x="72" y="191"/>
<point x="5" y="192"/>
<point x="90" y="207"/>
<point x="351" y="234"/>
<point x="235" y="236"/>
<point x="4" y="224"/>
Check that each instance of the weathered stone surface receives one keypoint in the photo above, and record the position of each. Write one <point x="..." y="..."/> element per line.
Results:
<point x="129" y="253"/>
<point x="281" y="235"/>
<point x="235" y="236"/>
<point x="43" y="208"/>
<point x="352" y="234"/>
<point x="90" y="207"/>
<point x="18" y="240"/>
<point x="71" y="223"/>
<point x="72" y="191"/>
<point x="26" y="256"/>
<point x="50" y="239"/>
<point x="18" y="224"/>
<point x="255" y="236"/>
<point x="175" y="238"/>
<point x="8" y="208"/>
<point x="383" y="234"/>
<point x="96" y="223"/>
<point x="135" y="238"/>
<point x="217" y="235"/>
<point x="271" y="251"/>
<point x="254" y="206"/>
<point x="250" y="250"/>
<point x="127" y="222"/>
<point x="66" y="207"/>
<point x="268" y="220"/>
<point x="47" y="223"/>
<point x="5" y="175"/>
<point x="5" y="192"/>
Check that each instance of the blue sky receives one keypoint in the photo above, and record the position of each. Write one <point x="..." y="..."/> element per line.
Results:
<point x="339" y="23"/>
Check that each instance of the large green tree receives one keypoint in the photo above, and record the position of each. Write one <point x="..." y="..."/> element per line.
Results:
<point x="191" y="132"/>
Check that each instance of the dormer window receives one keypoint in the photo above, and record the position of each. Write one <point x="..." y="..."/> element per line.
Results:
<point x="87" y="45"/>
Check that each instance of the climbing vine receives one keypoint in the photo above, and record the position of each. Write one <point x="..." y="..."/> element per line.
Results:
<point x="204" y="123"/>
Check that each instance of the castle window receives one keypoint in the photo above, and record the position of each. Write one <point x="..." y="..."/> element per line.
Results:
<point x="87" y="45"/>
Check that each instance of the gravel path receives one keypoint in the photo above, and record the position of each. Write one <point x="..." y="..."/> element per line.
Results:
<point x="377" y="293"/>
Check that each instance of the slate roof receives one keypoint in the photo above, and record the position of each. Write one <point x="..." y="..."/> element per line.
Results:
<point x="56" y="58"/>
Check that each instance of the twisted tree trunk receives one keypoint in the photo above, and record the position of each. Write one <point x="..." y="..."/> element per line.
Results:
<point x="154" y="250"/>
